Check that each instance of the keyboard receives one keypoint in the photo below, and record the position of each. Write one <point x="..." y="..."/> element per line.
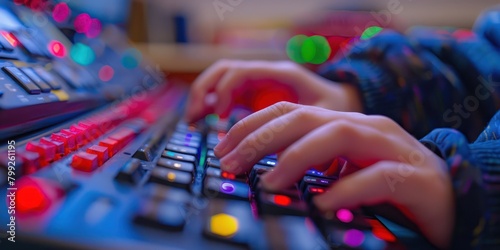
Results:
<point x="94" y="155"/>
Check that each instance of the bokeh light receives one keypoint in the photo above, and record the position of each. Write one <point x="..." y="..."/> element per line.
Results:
<point x="131" y="58"/>
<point x="61" y="12"/>
<point x="371" y="32"/>
<point x="303" y="49"/>
<point x="94" y="28"/>
<point x="106" y="73"/>
<point x="294" y="48"/>
<point x="344" y="215"/>
<point x="57" y="49"/>
<point x="82" y="23"/>
<point x="354" y="237"/>
<point x="82" y="54"/>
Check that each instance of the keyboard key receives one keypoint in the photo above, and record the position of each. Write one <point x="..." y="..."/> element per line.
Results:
<point x="178" y="156"/>
<point x="37" y="80"/>
<point x="35" y="195"/>
<point x="47" y="152"/>
<point x="315" y="173"/>
<point x="77" y="137"/>
<point x="112" y="146"/>
<point x="122" y="136"/>
<point x="68" y="140"/>
<point x="30" y="161"/>
<point x="161" y="192"/>
<point x="178" y="142"/>
<point x="178" y="165"/>
<point x="213" y="162"/>
<point x="255" y="174"/>
<point x="181" y="149"/>
<point x="312" y="190"/>
<point x="22" y="80"/>
<point x="229" y="221"/>
<point x="84" y="161"/>
<point x="131" y="172"/>
<point x="161" y="214"/>
<point x="7" y="46"/>
<point x="171" y="177"/>
<point x="219" y="188"/>
<point x="51" y="80"/>
<point x="101" y="152"/>
<point x="144" y="153"/>
<point x="281" y="204"/>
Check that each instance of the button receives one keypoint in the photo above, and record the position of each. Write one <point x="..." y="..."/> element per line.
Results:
<point x="84" y="162"/>
<point x="316" y="173"/>
<point x="280" y="204"/>
<point x="312" y="190"/>
<point x="311" y="180"/>
<point x="212" y="172"/>
<point x="219" y="188"/>
<point x="51" y="80"/>
<point x="23" y="80"/>
<point x="144" y="153"/>
<point x="37" y="80"/>
<point x="112" y="146"/>
<point x="101" y="152"/>
<point x="192" y="144"/>
<point x="178" y="156"/>
<point x="257" y="170"/>
<point x="35" y="195"/>
<point x="92" y="129"/>
<point x="186" y="137"/>
<point x="83" y="132"/>
<point x="161" y="192"/>
<point x="268" y="162"/>
<point x="131" y="172"/>
<point x="229" y="221"/>
<point x="57" y="144"/>
<point x="68" y="140"/>
<point x="181" y="149"/>
<point x="171" y="177"/>
<point x="7" y="40"/>
<point x="47" y="152"/>
<point x="161" y="214"/>
<point x="213" y="162"/>
<point x="79" y="141"/>
<point x="178" y="165"/>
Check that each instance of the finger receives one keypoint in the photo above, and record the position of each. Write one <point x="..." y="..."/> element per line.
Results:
<point x="249" y="124"/>
<point x="277" y="134"/>
<point x="342" y="138"/>
<point x="201" y="86"/>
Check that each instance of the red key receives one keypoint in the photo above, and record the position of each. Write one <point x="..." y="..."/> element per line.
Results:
<point x="78" y="137"/>
<point x="101" y="152"/>
<point x="91" y="127"/>
<point x="68" y="140"/>
<point x="123" y="136"/>
<point x="84" y="162"/>
<point x="47" y="152"/>
<point x="81" y="131"/>
<point x="111" y="144"/>
<point x="36" y="195"/>
<point x="58" y="144"/>
<point x="31" y="161"/>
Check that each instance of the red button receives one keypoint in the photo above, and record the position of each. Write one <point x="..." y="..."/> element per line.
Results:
<point x="78" y="137"/>
<point x="81" y="131"/>
<point x="68" y="140"/>
<point x="58" y="144"/>
<point x="31" y="162"/>
<point x="47" y="152"/>
<point x="91" y="127"/>
<point x="101" y="152"/>
<point x="35" y="195"/>
<point x="84" y="162"/>
<point x="123" y="136"/>
<point x="111" y="144"/>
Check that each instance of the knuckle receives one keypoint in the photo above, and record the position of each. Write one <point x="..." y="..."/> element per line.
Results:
<point x="241" y="125"/>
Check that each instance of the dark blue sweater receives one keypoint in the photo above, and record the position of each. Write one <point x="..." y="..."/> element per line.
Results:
<point x="434" y="78"/>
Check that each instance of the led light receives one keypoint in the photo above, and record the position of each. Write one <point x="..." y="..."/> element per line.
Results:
<point x="106" y="73"/>
<point x="57" y="49"/>
<point x="131" y="58"/>
<point x="380" y="231"/>
<point x="344" y="215"/>
<point x="82" y="23"/>
<point x="171" y="176"/>
<point x="82" y="54"/>
<point x="223" y="225"/>
<point x="282" y="200"/>
<point x="228" y="175"/>
<point x="354" y="238"/>
<point x="61" y="12"/>
<point x="227" y="188"/>
<point x="177" y="165"/>
<point x="10" y="38"/>
<point x="371" y="32"/>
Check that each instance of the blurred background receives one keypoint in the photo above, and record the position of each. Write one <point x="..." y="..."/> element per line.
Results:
<point x="186" y="36"/>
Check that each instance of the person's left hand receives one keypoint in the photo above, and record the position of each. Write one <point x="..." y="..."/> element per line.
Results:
<point x="393" y="166"/>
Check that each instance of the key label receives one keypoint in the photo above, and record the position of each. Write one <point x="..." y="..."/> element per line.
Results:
<point x="223" y="225"/>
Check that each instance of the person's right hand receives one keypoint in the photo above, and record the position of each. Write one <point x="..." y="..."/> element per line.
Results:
<point x="215" y="90"/>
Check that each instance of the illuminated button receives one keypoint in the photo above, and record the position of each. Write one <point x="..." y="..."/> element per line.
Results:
<point x="47" y="152"/>
<point x="181" y="149"/>
<point x="223" y="225"/>
<point x="37" y="80"/>
<point x="58" y="144"/>
<point x="31" y="162"/>
<point x="112" y="146"/>
<point x="101" y="152"/>
<point x="380" y="231"/>
<point x="8" y="41"/>
<point x="78" y="137"/>
<point x="34" y="195"/>
<point x="213" y="162"/>
<point x="179" y="156"/>
<point x="193" y="144"/>
<point x="179" y="165"/>
<point x="161" y="214"/>
<point x="171" y="177"/>
<point x="219" y="188"/>
<point x="84" y="162"/>
<point x="83" y="132"/>
<point x="229" y="220"/>
<point x="131" y="172"/>
<point x="23" y="80"/>
<point x="279" y="204"/>
<point x="318" y="181"/>
<point x="68" y="140"/>
<point x="212" y="172"/>
<point x="92" y="129"/>
<point x="122" y="136"/>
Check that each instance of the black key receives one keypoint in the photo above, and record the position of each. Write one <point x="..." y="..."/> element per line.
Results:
<point x="23" y="80"/>
<point x="193" y="144"/>
<point x="257" y="170"/>
<point x="184" y="127"/>
<point x="181" y="149"/>
<point x="219" y="188"/>
<point x="144" y="153"/>
<point x="51" y="80"/>
<point x="37" y="80"/>
<point x="132" y="172"/>
<point x="211" y="145"/>
<point x="162" y="193"/>
<point x="268" y="162"/>
<point x="164" y="215"/>
<point x="311" y="180"/>
<point x="229" y="221"/>
<point x="281" y="204"/>
<point x="213" y="172"/>
<point x="178" y="156"/>
<point x="171" y="177"/>
<point x="312" y="190"/>
<point x="210" y="153"/>
<point x="213" y="162"/>
<point x="178" y="165"/>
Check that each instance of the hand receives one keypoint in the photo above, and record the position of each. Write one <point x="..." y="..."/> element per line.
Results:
<point x="227" y="80"/>
<point x="390" y="165"/>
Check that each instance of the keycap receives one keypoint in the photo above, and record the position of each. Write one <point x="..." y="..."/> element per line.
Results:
<point x="37" y="80"/>
<point x="84" y="161"/>
<point x="311" y="180"/>
<point x="77" y="137"/>
<point x="131" y="172"/>
<point x="51" y="80"/>
<point x="171" y="177"/>
<point x="144" y="153"/>
<point x="210" y="153"/>
<point x="229" y="221"/>
<point x="192" y="144"/>
<point x="178" y="156"/>
<point x="83" y="132"/>
<point x="181" y="149"/>
<point x="47" y="152"/>
<point x="161" y="214"/>
<point x="254" y="176"/>
<point x="101" y="152"/>
<point x="161" y="192"/>
<point x="281" y="204"/>
<point x="122" y="136"/>
<point x="186" y="137"/>
<point x="178" y="165"/>
<point x="35" y="196"/>
<point x="219" y="188"/>
<point x="112" y="146"/>
<point x="22" y="80"/>
<point x="92" y="129"/>
<point x="213" y="162"/>
<point x="30" y="161"/>
<point x="312" y="190"/>
<point x="316" y="173"/>
<point x="68" y="140"/>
